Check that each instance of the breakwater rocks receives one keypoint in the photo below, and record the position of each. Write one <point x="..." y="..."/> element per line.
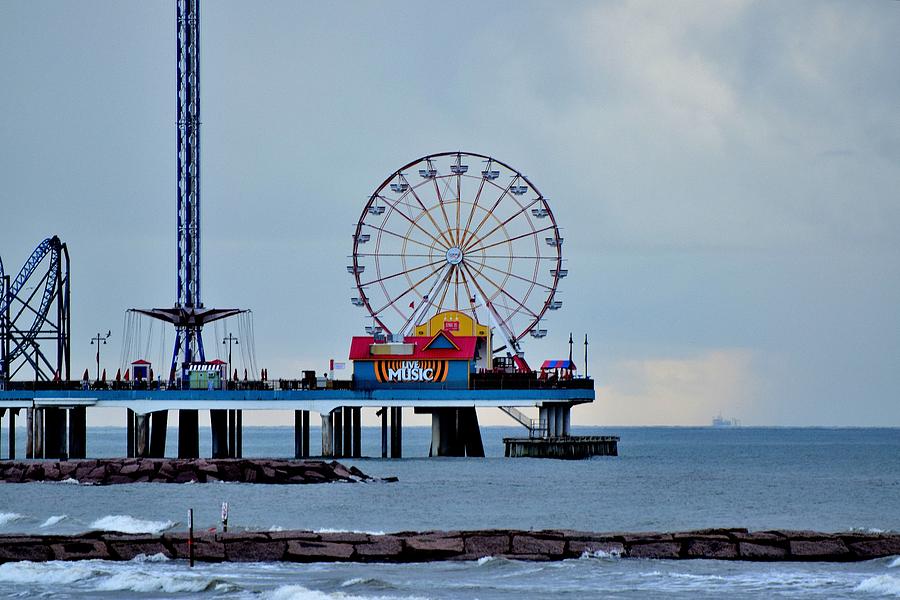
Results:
<point x="307" y="546"/>
<point x="161" y="470"/>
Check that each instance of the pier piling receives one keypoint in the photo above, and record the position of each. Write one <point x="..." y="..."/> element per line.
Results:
<point x="396" y="432"/>
<point x="77" y="432"/>
<point x="142" y="435"/>
<point x="129" y="433"/>
<point x="159" y="422"/>
<point x="12" y="432"/>
<point x="218" y="423"/>
<point x="188" y="434"/>
<point x="327" y="435"/>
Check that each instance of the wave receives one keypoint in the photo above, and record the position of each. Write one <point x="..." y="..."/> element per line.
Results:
<point x="129" y="524"/>
<point x="9" y="517"/>
<point x="298" y="592"/>
<point x="601" y="554"/>
<point x="886" y="585"/>
<point x="108" y="577"/>
<point x="171" y="583"/>
<point x="51" y="521"/>
<point x="895" y="563"/>
<point x="151" y="558"/>
<point x="330" y="530"/>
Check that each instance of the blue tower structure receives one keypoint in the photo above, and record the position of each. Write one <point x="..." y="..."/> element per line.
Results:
<point x="189" y="314"/>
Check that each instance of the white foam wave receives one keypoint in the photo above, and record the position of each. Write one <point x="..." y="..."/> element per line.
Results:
<point x="276" y="528"/>
<point x="601" y="554"/>
<point x="9" y="517"/>
<point x="484" y="560"/>
<point x="172" y="583"/>
<point x="48" y="573"/>
<point x="329" y="530"/>
<point x="51" y="521"/>
<point x="886" y="585"/>
<point x="297" y="592"/>
<point x="895" y="563"/>
<point x="129" y="524"/>
<point x="152" y="558"/>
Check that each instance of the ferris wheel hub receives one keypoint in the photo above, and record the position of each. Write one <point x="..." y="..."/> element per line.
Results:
<point x="454" y="255"/>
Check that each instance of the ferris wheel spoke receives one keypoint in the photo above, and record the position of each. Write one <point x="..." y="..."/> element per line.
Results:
<point x="440" y="305"/>
<point x="462" y="241"/>
<point x="399" y="235"/>
<point x="414" y="223"/>
<point x="437" y="191"/>
<point x="404" y="272"/>
<point x="491" y="211"/>
<point x="519" y="277"/>
<point x="427" y="212"/>
<point x="501" y="321"/>
<point x="501" y="225"/>
<point x="508" y="295"/>
<point x="395" y="255"/>
<point x="409" y="289"/>
<point x="518" y="237"/>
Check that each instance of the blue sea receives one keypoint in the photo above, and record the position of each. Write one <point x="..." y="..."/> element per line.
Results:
<point x="663" y="479"/>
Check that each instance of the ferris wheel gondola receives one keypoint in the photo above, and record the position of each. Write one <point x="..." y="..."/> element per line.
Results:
<point x="483" y="241"/>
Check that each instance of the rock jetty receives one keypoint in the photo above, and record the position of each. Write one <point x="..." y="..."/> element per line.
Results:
<point x="308" y="546"/>
<point x="137" y="470"/>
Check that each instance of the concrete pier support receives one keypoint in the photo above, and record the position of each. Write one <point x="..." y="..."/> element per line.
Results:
<point x="232" y="433"/>
<point x="142" y="435"/>
<point x="129" y="433"/>
<point x="383" y="413"/>
<point x="12" y="432"/>
<point x="159" y="424"/>
<point x="188" y="434"/>
<point x="218" y="424"/>
<point x="78" y="432"/>
<point x="301" y="434"/>
<point x="54" y="433"/>
<point x="556" y="419"/>
<point x="357" y="432"/>
<point x="396" y="432"/>
<point x="327" y="436"/>
<point x="348" y="432"/>
<point x="337" y="418"/>
<point x="29" y="433"/>
<point x="455" y="432"/>
<point x="239" y="434"/>
<point x="38" y="434"/>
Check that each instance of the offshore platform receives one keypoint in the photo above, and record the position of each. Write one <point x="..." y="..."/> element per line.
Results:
<point x="457" y="257"/>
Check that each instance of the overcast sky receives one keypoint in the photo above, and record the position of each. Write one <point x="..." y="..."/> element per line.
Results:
<point x="726" y="175"/>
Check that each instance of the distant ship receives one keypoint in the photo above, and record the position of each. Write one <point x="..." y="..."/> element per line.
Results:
<point x="720" y="421"/>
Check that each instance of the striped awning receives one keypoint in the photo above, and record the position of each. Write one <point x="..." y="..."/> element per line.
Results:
<point x="559" y="364"/>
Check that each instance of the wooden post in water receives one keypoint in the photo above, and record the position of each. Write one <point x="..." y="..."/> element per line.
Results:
<point x="357" y="432"/>
<point x="327" y="435"/>
<point x="384" y="431"/>
<point x="338" y="443"/>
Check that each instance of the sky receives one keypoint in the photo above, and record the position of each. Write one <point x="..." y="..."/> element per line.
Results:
<point x="726" y="176"/>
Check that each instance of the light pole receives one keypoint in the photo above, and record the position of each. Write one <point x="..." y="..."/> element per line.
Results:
<point x="230" y="339"/>
<point x="100" y="338"/>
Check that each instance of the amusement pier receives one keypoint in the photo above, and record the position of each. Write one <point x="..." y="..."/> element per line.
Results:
<point x="456" y="261"/>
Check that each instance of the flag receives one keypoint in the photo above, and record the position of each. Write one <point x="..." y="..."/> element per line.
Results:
<point x="337" y="366"/>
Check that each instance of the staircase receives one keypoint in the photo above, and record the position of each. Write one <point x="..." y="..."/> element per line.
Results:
<point x="535" y="428"/>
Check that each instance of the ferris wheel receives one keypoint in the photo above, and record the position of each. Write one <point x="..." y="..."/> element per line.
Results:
<point x="458" y="231"/>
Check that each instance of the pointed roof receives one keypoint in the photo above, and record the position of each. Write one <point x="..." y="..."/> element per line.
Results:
<point x="442" y="341"/>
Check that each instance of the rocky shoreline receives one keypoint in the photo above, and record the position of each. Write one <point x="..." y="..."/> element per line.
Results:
<point x="409" y="547"/>
<point x="162" y="470"/>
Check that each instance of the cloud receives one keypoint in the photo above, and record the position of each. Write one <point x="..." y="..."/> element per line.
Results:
<point x="673" y="391"/>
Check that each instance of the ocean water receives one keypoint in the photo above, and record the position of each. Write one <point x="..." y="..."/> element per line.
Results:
<point x="664" y="479"/>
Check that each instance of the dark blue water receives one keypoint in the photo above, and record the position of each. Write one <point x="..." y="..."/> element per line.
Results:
<point x="664" y="478"/>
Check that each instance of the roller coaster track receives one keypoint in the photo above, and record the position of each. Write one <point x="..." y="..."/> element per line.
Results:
<point x="27" y="319"/>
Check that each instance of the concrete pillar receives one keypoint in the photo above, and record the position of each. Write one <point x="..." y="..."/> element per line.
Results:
<point x="348" y="432"/>
<point x="357" y="432"/>
<point x="232" y="433"/>
<point x="338" y="429"/>
<point x="78" y="432"/>
<point x="218" y="424"/>
<point x="384" y="431"/>
<point x="396" y="432"/>
<point x="301" y="434"/>
<point x="470" y="432"/>
<point x="327" y="435"/>
<point x="29" y="433"/>
<point x="567" y="420"/>
<point x="12" y="433"/>
<point x="188" y="434"/>
<point x="55" y="433"/>
<point x="39" y="433"/>
<point x="239" y="434"/>
<point x="129" y="433"/>
<point x="159" y="425"/>
<point x="142" y="435"/>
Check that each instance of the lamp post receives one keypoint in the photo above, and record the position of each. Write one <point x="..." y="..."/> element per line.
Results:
<point x="100" y="338"/>
<point x="230" y="339"/>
